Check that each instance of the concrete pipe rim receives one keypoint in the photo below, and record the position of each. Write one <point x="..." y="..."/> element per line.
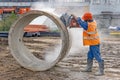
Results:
<point x="21" y="53"/>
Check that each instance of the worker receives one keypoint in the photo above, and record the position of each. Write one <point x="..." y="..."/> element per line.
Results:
<point x="91" y="39"/>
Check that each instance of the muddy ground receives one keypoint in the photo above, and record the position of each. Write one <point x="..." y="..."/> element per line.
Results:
<point x="68" y="69"/>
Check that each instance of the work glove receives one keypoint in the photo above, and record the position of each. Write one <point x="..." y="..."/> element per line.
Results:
<point x="75" y="17"/>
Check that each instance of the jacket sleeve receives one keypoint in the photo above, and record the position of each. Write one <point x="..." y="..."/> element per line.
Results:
<point x="83" y="24"/>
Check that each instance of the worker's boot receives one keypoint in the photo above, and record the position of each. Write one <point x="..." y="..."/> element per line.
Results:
<point x="101" y="69"/>
<point x="89" y="66"/>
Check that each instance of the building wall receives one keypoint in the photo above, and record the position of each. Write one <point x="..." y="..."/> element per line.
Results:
<point x="72" y="0"/>
<point x="106" y="20"/>
<point x="18" y="0"/>
<point x="106" y="12"/>
<point x="98" y="6"/>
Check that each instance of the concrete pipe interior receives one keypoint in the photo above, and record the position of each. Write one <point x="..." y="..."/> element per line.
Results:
<point x="22" y="54"/>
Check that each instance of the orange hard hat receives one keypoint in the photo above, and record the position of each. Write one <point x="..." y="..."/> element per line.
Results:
<point x="87" y="16"/>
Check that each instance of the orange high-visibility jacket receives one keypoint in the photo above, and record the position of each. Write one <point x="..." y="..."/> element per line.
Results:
<point x="90" y="36"/>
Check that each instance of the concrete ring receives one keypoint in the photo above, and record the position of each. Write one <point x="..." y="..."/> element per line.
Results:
<point x="22" y="54"/>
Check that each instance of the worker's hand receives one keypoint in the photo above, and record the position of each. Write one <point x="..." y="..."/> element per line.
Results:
<point x="74" y="16"/>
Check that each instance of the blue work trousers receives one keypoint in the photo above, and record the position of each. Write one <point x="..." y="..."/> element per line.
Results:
<point x="94" y="52"/>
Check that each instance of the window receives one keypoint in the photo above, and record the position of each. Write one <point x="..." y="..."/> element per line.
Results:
<point x="110" y="2"/>
<point x="72" y="0"/>
<point x="96" y="1"/>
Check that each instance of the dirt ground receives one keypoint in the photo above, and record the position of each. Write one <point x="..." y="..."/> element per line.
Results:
<point x="67" y="69"/>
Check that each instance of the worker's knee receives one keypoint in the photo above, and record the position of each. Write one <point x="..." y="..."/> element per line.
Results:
<point x="98" y="58"/>
<point x="90" y="55"/>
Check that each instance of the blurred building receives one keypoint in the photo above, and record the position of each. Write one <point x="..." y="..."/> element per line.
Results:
<point x="14" y="6"/>
<point x="18" y="3"/>
<point x="95" y="6"/>
<point x="105" y="6"/>
<point x="105" y="11"/>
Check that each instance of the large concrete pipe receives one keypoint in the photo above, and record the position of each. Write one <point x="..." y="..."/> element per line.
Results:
<point x="22" y="54"/>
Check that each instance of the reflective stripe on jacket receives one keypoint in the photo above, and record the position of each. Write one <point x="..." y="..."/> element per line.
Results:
<point x="90" y="36"/>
